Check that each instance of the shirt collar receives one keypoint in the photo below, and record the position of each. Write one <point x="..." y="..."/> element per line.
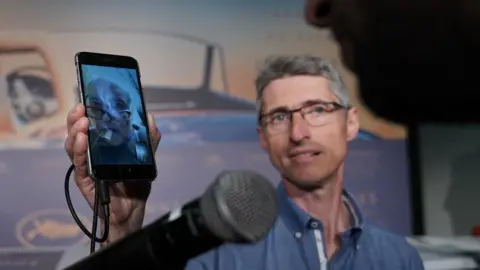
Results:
<point x="297" y="220"/>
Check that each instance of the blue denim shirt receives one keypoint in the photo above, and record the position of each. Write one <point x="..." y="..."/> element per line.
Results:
<point x="295" y="243"/>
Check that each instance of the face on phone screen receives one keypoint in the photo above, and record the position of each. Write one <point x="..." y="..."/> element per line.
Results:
<point x="118" y="131"/>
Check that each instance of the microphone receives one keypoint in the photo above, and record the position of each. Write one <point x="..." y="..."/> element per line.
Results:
<point x="238" y="207"/>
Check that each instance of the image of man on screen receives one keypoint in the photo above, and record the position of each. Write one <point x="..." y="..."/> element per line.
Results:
<point x="112" y="127"/>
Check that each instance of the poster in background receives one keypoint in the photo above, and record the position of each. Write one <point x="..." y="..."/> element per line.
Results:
<point x="198" y="61"/>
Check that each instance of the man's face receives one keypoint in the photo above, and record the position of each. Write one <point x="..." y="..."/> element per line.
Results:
<point x="306" y="154"/>
<point x="109" y="109"/>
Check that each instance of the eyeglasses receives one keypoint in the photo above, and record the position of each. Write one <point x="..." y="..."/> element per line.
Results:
<point x="317" y="114"/>
<point x="97" y="113"/>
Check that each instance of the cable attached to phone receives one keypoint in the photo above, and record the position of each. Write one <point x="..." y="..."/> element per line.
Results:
<point x="102" y="198"/>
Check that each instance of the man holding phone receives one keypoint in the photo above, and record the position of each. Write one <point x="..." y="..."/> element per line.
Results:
<point x="357" y="25"/>
<point x="305" y="123"/>
<point x="128" y="201"/>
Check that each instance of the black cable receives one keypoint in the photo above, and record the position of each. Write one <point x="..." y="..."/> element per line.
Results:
<point x="94" y="219"/>
<point x="102" y="197"/>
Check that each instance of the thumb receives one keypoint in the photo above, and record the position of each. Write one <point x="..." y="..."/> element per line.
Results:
<point x="155" y="134"/>
<point x="80" y="158"/>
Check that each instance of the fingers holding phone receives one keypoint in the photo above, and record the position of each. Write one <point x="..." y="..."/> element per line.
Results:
<point x="76" y="146"/>
<point x="76" y="143"/>
<point x="155" y="135"/>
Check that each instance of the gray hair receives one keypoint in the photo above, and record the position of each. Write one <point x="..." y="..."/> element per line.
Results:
<point x="281" y="66"/>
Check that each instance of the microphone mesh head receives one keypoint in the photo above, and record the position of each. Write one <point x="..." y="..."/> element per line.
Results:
<point x="240" y="206"/>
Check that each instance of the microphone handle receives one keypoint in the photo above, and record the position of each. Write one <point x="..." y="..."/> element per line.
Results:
<point x="186" y="236"/>
<point x="167" y="243"/>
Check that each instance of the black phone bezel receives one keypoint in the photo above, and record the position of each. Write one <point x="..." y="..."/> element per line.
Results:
<point x="115" y="173"/>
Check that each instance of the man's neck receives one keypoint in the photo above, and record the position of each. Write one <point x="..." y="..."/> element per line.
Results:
<point x="325" y="204"/>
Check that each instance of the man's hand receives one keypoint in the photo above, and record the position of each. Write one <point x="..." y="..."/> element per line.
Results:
<point x="127" y="201"/>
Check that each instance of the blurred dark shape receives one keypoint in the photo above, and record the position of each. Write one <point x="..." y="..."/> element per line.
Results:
<point x="416" y="60"/>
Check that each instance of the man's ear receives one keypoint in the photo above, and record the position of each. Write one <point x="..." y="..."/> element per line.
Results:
<point x="353" y="124"/>
<point x="262" y="139"/>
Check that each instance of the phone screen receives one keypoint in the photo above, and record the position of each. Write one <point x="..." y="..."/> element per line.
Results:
<point x="118" y="128"/>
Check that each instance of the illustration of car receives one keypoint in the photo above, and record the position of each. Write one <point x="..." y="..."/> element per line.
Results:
<point x="194" y="112"/>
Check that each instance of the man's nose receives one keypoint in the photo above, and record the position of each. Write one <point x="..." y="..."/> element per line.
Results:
<point x="299" y="129"/>
<point x="317" y="12"/>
